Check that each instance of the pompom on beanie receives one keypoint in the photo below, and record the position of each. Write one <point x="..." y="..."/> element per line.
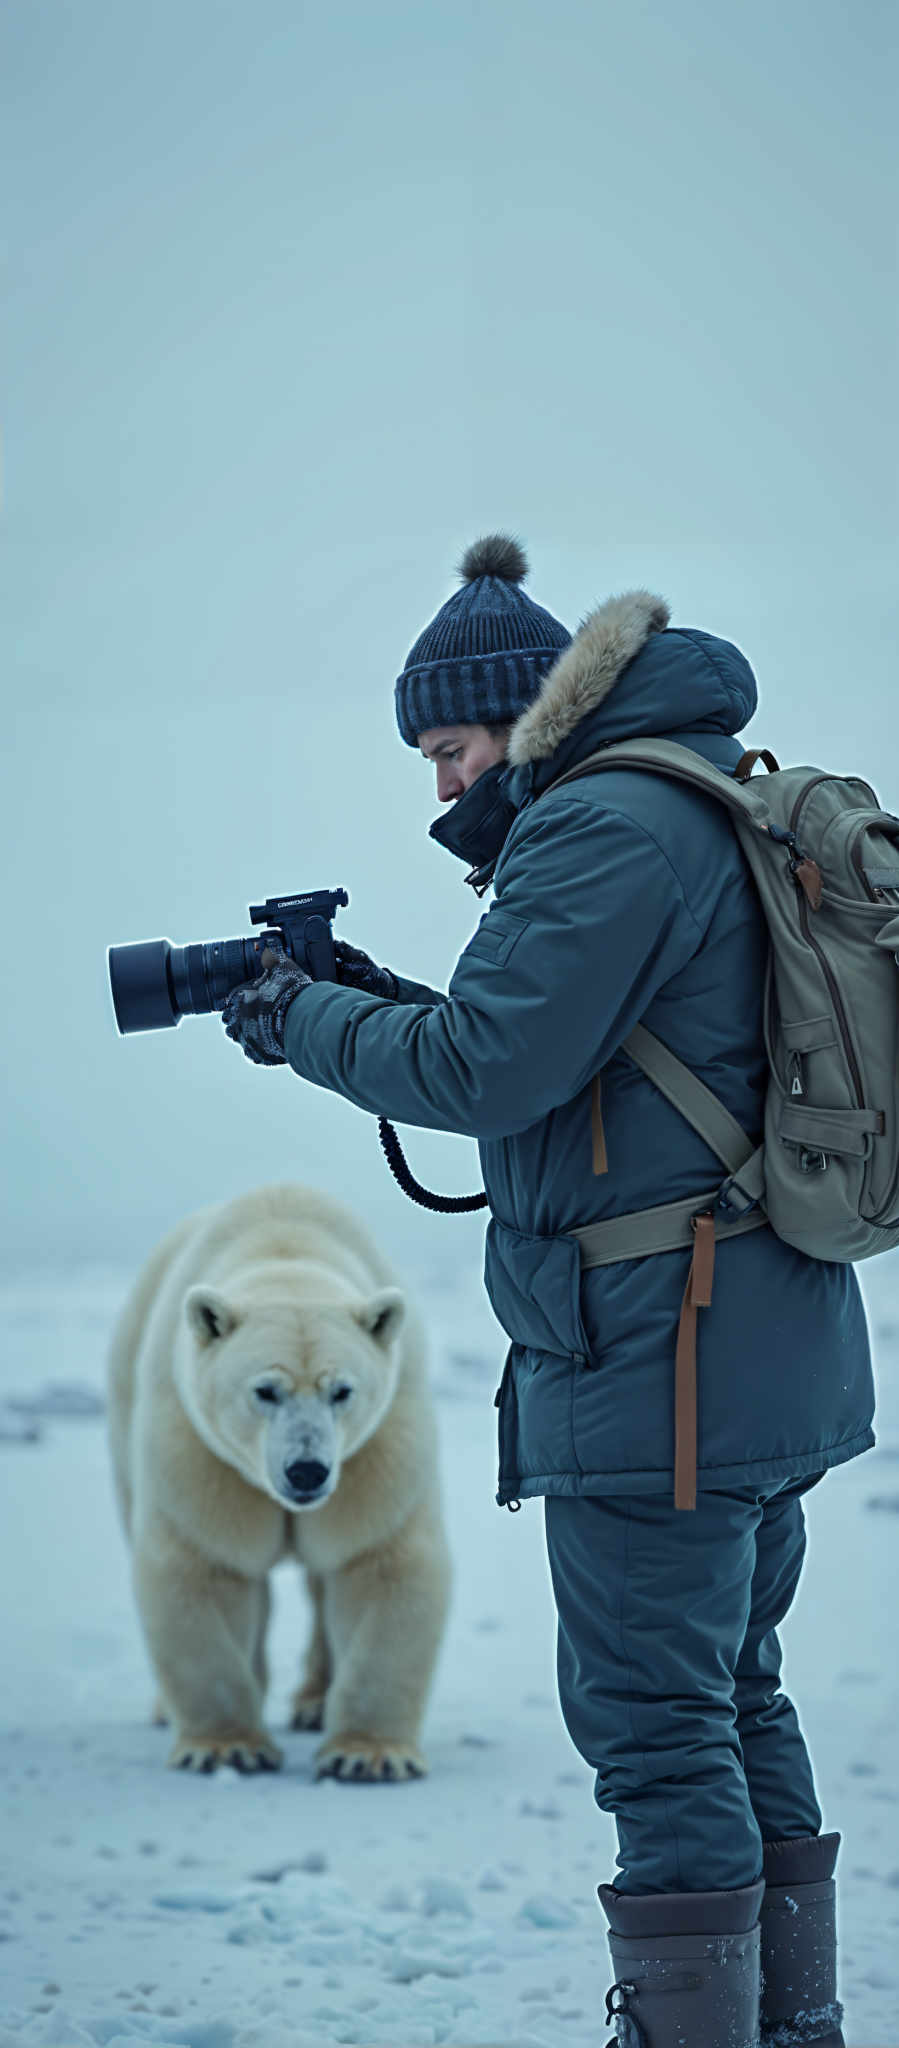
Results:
<point x="480" y="661"/>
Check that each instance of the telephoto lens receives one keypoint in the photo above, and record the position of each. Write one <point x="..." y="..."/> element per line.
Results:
<point x="155" y="984"/>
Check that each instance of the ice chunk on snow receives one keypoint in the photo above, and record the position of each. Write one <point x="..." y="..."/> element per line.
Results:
<point x="315" y="1861"/>
<point x="195" y="1902"/>
<point x="395" y="1900"/>
<point x="407" y="1964"/>
<point x="59" y="2030"/>
<point x="543" y="1911"/>
<point x="442" y="1895"/>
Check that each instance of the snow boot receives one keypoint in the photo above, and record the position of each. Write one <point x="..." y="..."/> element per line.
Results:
<point x="799" y="2004"/>
<point x="686" y="1968"/>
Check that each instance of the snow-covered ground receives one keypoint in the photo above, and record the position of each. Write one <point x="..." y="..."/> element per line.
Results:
<point x="142" y="1905"/>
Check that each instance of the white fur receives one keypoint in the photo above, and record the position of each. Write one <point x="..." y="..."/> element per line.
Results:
<point x="281" y="1289"/>
<point x="585" y="672"/>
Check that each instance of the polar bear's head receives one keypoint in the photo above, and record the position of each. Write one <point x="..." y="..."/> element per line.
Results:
<point x="285" y="1393"/>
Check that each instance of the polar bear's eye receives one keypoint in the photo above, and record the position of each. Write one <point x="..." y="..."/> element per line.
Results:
<point x="267" y="1392"/>
<point x="341" y="1393"/>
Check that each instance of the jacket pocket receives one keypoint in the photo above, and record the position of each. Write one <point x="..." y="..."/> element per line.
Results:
<point x="535" y="1400"/>
<point x="497" y="933"/>
<point x="534" y="1285"/>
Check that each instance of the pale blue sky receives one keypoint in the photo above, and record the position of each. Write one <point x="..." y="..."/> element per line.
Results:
<point x="299" y="301"/>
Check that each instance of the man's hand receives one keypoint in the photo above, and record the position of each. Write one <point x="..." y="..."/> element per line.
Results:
<point x="357" y="970"/>
<point x="254" y="1014"/>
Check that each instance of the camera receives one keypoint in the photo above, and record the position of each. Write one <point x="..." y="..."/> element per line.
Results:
<point x="155" y="984"/>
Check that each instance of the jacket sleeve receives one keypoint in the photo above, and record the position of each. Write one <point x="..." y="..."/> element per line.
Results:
<point x="416" y="991"/>
<point x="589" y="920"/>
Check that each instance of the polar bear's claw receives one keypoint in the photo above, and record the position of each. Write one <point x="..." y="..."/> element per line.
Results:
<point x="258" y="1762"/>
<point x="370" y="1763"/>
<point x="204" y="1757"/>
<point x="307" y="1713"/>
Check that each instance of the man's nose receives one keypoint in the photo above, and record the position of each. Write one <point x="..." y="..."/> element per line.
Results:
<point x="449" y="783"/>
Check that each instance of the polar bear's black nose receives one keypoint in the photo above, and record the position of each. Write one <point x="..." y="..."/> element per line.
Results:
<point x="306" y="1475"/>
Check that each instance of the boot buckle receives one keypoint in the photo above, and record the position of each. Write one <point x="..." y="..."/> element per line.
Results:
<point x="627" y="2032"/>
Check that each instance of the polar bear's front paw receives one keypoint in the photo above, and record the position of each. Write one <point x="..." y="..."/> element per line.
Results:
<point x="245" y="1751"/>
<point x="357" y="1759"/>
<point x="307" y="1708"/>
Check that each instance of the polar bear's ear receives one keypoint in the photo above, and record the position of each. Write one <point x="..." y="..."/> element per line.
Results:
<point x="382" y="1315"/>
<point x="209" y="1314"/>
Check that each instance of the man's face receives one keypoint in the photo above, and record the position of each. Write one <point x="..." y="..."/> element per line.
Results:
<point x="460" y="754"/>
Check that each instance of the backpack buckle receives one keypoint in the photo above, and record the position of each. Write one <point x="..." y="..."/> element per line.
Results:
<point x="733" y="1199"/>
<point x="811" y="1161"/>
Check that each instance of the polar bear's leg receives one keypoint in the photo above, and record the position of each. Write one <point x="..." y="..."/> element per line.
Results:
<point x="257" y="1618"/>
<point x="202" y="1625"/>
<point x="385" y="1614"/>
<point x="307" y="1705"/>
<point x="262" y="1607"/>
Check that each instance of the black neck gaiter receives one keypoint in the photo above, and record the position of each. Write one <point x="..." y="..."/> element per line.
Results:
<point x="476" y="827"/>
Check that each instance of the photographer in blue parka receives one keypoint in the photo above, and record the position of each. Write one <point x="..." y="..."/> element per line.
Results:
<point x="622" y="897"/>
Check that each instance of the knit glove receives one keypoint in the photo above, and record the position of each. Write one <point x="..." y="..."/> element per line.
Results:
<point x="254" y="1014"/>
<point x="357" y="970"/>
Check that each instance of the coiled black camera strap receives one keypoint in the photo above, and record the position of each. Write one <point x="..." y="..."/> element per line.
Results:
<point x="447" y="1205"/>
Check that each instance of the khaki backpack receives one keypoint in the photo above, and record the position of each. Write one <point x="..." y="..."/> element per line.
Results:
<point x="825" y="860"/>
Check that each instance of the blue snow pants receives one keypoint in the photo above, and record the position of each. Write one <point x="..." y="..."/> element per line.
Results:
<point x="669" y="1676"/>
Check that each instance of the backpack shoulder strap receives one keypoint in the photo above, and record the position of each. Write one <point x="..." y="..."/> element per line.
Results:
<point x="721" y="1131"/>
<point x="668" y="757"/>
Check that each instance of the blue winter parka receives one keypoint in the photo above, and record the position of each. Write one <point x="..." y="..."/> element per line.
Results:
<point x="620" y="898"/>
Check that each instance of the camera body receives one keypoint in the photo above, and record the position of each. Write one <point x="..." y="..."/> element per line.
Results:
<point x="155" y="984"/>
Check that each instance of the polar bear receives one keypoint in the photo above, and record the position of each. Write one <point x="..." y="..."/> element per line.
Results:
<point x="268" y="1398"/>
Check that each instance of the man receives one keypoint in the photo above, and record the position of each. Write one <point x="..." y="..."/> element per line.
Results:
<point x="619" y="898"/>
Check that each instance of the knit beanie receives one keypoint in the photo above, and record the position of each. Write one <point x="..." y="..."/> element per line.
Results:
<point x="480" y="661"/>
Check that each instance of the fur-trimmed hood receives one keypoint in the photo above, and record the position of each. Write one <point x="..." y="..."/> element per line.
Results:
<point x="603" y="645"/>
<point x="679" y="678"/>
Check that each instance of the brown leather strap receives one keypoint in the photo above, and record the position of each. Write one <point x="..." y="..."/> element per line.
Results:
<point x="748" y="760"/>
<point x="807" y="871"/>
<point x="600" y="1161"/>
<point x="809" y="874"/>
<point x="697" y="1294"/>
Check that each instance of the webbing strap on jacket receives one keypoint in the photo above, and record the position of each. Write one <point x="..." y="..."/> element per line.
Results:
<point x="600" y="1161"/>
<point x="697" y="1294"/>
<point x="669" y="1228"/>
<point x="672" y="1225"/>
